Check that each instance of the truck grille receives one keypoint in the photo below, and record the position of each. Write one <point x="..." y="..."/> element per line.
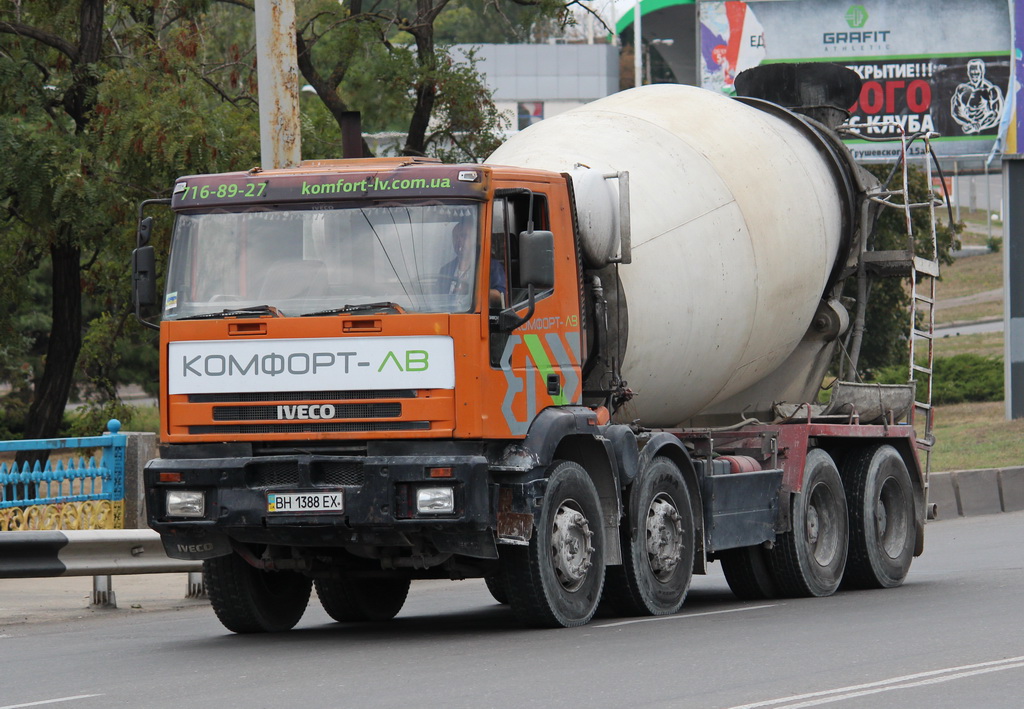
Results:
<point x="312" y="427"/>
<point x="247" y="396"/>
<point x="337" y="473"/>
<point x="272" y="474"/>
<point x="287" y="473"/>
<point x="341" y="411"/>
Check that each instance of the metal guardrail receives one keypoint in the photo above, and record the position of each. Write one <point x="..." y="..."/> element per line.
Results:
<point x="70" y="494"/>
<point x="96" y="553"/>
<point x="36" y="554"/>
<point x="66" y="518"/>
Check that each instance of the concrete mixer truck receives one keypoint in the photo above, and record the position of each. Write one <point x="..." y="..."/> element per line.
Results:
<point x="564" y="371"/>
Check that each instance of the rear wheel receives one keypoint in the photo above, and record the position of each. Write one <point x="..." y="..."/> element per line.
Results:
<point x="810" y="559"/>
<point x="557" y="579"/>
<point x="749" y="574"/>
<point x="249" y="600"/>
<point x="359" y="599"/>
<point x="880" y="498"/>
<point x="657" y="544"/>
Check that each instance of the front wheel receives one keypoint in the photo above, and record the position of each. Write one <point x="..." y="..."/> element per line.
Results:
<point x="496" y="587"/>
<point x="880" y="498"/>
<point x="249" y="600"/>
<point x="556" y="581"/>
<point x="657" y="544"/>
<point x="810" y="559"/>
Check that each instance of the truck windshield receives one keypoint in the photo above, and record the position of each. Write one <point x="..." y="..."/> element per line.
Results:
<point x="412" y="258"/>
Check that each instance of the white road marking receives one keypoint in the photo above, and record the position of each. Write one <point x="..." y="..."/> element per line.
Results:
<point x="51" y="701"/>
<point x="657" y="618"/>
<point x="919" y="679"/>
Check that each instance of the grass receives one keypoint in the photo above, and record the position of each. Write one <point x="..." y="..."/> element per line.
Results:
<point x="987" y="344"/>
<point x="969" y="313"/>
<point x="977" y="435"/>
<point x="971" y="274"/>
<point x="144" y="419"/>
<point x="976" y="227"/>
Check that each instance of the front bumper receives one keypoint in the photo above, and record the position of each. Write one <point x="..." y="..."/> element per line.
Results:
<point x="379" y="495"/>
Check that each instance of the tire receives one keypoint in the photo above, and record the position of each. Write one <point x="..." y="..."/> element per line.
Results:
<point x="810" y="559"/>
<point x="749" y="574"/>
<point x="880" y="499"/>
<point x="657" y="544"/>
<point x="248" y="600"/>
<point x="352" y="600"/>
<point x="496" y="586"/>
<point x="556" y="580"/>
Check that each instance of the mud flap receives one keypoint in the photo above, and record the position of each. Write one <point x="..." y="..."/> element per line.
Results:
<point x="195" y="544"/>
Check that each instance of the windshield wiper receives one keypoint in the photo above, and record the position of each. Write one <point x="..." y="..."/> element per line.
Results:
<point x="385" y="305"/>
<point x="252" y="312"/>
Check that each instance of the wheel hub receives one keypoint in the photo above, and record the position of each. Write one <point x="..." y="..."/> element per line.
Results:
<point x="812" y="525"/>
<point x="891" y="520"/>
<point x="881" y="518"/>
<point x="571" y="550"/>
<point x="664" y="537"/>
<point x="822" y="526"/>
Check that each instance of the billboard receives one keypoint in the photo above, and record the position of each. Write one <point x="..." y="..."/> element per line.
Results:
<point x="938" y="65"/>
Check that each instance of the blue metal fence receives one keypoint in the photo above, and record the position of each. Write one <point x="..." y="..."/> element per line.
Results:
<point x="82" y="493"/>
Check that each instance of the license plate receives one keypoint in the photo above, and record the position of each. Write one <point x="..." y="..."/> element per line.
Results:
<point x="300" y="502"/>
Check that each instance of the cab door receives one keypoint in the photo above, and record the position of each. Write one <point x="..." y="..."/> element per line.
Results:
<point x="537" y="364"/>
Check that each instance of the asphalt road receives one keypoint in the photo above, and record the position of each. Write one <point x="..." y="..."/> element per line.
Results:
<point x="971" y="328"/>
<point x="952" y="636"/>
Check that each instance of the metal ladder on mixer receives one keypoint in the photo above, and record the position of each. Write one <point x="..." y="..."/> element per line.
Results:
<point x="922" y="296"/>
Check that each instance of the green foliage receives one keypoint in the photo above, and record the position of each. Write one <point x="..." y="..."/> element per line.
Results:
<point x="171" y="91"/>
<point x="887" y="317"/>
<point x="391" y="63"/>
<point x="156" y="107"/>
<point x="959" y="378"/>
<point x="493" y="22"/>
<point x="92" y="420"/>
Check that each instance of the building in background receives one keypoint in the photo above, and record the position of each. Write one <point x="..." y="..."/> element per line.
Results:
<point x="532" y="82"/>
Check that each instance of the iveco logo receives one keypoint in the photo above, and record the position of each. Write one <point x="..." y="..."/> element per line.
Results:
<point x="305" y="411"/>
<point x="195" y="548"/>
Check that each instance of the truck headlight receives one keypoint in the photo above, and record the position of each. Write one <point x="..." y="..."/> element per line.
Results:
<point x="435" y="500"/>
<point x="185" y="503"/>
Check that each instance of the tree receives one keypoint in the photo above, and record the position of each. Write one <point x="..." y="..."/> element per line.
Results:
<point x="104" y="102"/>
<point x="887" y="316"/>
<point x="102" y="105"/>
<point x="386" y="61"/>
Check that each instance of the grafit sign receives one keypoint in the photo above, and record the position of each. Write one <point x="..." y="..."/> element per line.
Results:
<point x="358" y="363"/>
<point x="948" y="70"/>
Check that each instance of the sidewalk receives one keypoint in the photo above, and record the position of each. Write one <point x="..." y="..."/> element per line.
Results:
<point x="67" y="598"/>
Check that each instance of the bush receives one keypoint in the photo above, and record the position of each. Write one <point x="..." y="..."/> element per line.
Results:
<point x="962" y="377"/>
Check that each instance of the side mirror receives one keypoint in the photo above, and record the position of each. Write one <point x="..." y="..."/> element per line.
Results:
<point x="537" y="259"/>
<point x="144" y="277"/>
<point x="143" y="234"/>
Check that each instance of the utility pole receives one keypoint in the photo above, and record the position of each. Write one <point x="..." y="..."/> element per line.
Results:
<point x="277" y="74"/>
<point x="638" y="45"/>
<point x="1013" y="230"/>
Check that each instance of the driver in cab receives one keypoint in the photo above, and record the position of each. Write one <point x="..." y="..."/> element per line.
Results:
<point x="459" y="271"/>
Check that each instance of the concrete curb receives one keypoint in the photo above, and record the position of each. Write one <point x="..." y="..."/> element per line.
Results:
<point x="966" y="493"/>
